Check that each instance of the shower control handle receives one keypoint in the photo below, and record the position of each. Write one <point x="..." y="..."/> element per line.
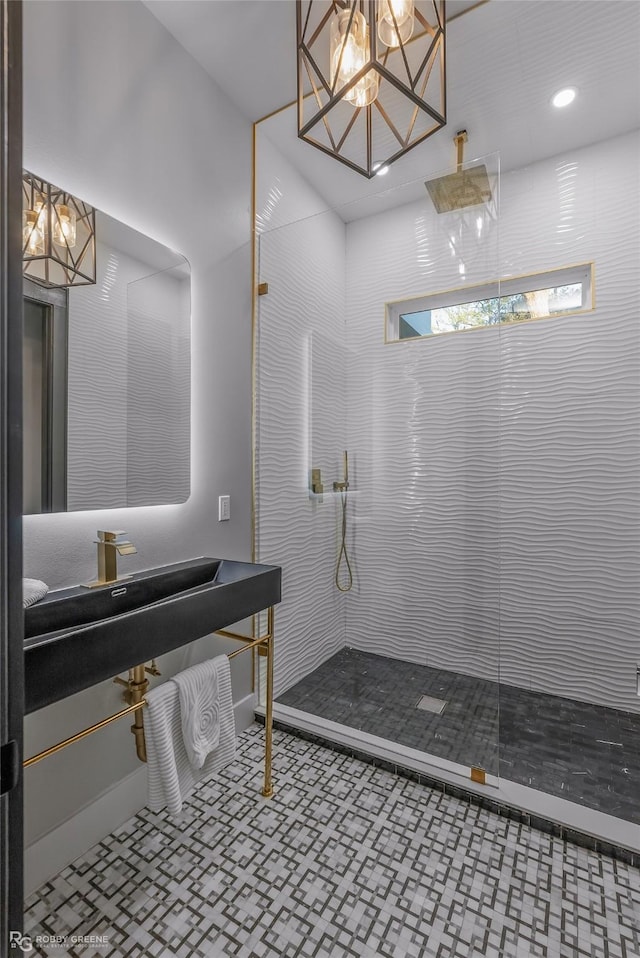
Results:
<point x="316" y="482"/>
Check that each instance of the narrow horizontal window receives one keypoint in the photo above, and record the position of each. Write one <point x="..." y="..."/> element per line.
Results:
<point x="558" y="292"/>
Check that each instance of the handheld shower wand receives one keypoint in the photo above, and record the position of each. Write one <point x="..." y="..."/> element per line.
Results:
<point x="343" y="555"/>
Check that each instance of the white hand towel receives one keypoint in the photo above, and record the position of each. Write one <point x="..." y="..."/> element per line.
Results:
<point x="32" y="591"/>
<point x="171" y="777"/>
<point x="200" y="708"/>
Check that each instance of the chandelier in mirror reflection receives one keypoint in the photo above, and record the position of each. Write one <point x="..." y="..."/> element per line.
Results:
<point x="58" y="235"/>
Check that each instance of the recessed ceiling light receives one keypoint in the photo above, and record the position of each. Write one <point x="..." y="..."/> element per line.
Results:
<point x="380" y="170"/>
<point x="564" y="97"/>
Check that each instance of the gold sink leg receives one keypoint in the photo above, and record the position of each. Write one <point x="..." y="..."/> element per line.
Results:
<point x="267" y="790"/>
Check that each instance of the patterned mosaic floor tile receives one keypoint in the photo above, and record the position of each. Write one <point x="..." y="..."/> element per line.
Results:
<point x="346" y="861"/>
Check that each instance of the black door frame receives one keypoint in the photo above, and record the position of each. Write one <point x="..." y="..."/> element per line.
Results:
<point x="11" y="614"/>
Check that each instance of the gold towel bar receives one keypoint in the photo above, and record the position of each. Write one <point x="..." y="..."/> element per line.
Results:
<point x="264" y="640"/>
<point x="83" y="734"/>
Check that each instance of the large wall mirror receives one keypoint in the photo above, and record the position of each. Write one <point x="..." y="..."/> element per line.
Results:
<point x="107" y="381"/>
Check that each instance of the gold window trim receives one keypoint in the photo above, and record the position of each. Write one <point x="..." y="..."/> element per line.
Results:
<point x="430" y="337"/>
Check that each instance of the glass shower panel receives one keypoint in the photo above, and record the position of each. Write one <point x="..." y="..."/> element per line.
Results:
<point x="423" y="433"/>
<point x="400" y="647"/>
<point x="570" y="474"/>
<point x="300" y="434"/>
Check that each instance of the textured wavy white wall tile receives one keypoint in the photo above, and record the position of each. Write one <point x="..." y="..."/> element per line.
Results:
<point x="497" y="471"/>
<point x="570" y="456"/>
<point x="301" y="423"/>
<point x="425" y="441"/>
<point x="283" y="196"/>
<point x="423" y="429"/>
<point x="570" y="530"/>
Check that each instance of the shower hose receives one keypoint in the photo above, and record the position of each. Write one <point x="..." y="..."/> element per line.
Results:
<point x="343" y="555"/>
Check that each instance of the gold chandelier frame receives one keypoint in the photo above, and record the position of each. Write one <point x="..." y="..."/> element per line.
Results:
<point x="412" y="69"/>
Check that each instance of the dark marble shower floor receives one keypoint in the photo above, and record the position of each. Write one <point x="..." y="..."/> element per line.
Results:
<point x="584" y="753"/>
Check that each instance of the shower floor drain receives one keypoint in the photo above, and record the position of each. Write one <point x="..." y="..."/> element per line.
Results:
<point x="429" y="704"/>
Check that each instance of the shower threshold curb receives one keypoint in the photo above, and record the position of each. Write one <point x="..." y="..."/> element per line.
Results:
<point x="554" y="816"/>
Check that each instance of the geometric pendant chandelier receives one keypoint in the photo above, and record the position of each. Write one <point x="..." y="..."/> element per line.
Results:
<point x="58" y="235"/>
<point x="371" y="77"/>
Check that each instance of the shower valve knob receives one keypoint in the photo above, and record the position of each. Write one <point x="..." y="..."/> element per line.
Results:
<point x="316" y="482"/>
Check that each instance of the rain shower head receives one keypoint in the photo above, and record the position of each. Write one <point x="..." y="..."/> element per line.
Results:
<point x="455" y="191"/>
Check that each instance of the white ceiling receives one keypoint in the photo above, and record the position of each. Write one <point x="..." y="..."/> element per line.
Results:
<point x="247" y="46"/>
<point x="505" y="59"/>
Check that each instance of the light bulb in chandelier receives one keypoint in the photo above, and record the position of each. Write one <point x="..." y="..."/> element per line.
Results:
<point x="64" y="226"/>
<point x="349" y="53"/>
<point x="32" y="233"/>
<point x="34" y="227"/>
<point x="365" y="91"/>
<point x="40" y="207"/>
<point x="395" y="21"/>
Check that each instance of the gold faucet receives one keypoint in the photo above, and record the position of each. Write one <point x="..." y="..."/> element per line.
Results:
<point x="110" y="544"/>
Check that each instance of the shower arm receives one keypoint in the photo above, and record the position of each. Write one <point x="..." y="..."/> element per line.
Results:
<point x="460" y="139"/>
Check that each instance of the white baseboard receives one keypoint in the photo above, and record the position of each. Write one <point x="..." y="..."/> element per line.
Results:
<point x="52" y="852"/>
<point x="244" y="712"/>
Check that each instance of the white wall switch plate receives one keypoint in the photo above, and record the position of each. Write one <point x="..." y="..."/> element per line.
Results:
<point x="224" y="508"/>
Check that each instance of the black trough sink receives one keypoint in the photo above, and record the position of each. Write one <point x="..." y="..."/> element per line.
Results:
<point x="68" y="608"/>
<point x="78" y="637"/>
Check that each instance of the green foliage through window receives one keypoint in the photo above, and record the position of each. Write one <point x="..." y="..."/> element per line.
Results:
<point x="431" y="315"/>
